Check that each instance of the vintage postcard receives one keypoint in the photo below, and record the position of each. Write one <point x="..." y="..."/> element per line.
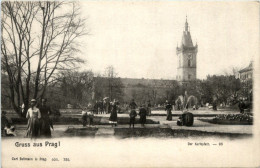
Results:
<point x="130" y="84"/>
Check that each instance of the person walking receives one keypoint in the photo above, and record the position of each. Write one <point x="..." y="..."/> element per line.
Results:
<point x="168" y="108"/>
<point x="142" y="114"/>
<point x="241" y="106"/>
<point x="101" y="106"/>
<point x="84" y="117"/>
<point x="132" y="115"/>
<point x="149" y="110"/>
<point x="33" y="115"/>
<point x="113" y="114"/>
<point x="96" y="107"/>
<point x="45" y="121"/>
<point x="133" y="105"/>
<point x="90" y="114"/>
<point x="106" y="105"/>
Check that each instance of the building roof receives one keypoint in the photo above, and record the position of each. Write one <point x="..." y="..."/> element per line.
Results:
<point x="248" y="68"/>
<point x="186" y="37"/>
<point x="144" y="82"/>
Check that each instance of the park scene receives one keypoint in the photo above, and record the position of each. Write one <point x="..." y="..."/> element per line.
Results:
<point x="68" y="70"/>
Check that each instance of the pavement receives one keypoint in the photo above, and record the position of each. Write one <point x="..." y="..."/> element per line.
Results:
<point x="107" y="130"/>
<point x="202" y="112"/>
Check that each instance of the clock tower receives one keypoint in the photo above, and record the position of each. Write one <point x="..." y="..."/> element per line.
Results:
<point x="187" y="57"/>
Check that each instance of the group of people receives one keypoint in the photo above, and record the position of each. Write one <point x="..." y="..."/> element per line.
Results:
<point x="39" y="121"/>
<point x="143" y="112"/>
<point x="106" y="107"/>
<point x="102" y="107"/>
<point x="113" y="108"/>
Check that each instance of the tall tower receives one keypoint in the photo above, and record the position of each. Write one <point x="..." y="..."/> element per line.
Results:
<point x="187" y="57"/>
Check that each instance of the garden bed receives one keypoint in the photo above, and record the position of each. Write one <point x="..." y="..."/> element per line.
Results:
<point x="71" y="132"/>
<point x="231" y="119"/>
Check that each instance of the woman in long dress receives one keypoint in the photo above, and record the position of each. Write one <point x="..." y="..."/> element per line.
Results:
<point x="113" y="114"/>
<point x="33" y="115"/>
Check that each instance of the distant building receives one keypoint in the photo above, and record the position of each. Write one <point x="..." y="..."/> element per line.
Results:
<point x="187" y="57"/>
<point x="246" y="74"/>
<point x="139" y="89"/>
<point x="246" y="78"/>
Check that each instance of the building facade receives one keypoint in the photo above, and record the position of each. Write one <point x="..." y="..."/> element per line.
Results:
<point x="246" y="74"/>
<point x="246" y="78"/>
<point x="187" y="57"/>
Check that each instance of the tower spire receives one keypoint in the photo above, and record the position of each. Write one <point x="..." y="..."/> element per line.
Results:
<point x="186" y="24"/>
<point x="187" y="57"/>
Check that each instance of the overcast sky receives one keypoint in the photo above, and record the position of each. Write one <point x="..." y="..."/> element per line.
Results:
<point x="139" y="38"/>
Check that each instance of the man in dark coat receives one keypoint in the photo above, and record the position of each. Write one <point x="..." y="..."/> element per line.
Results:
<point x="142" y="114"/>
<point x="45" y="121"/>
<point x="241" y="106"/>
<point x="133" y="105"/>
<point x="106" y="105"/>
<point x="84" y="117"/>
<point x="133" y="113"/>
<point x="149" y="106"/>
<point x="214" y="105"/>
<point x="101" y="107"/>
<point x="132" y="118"/>
<point x="168" y="108"/>
<point x="96" y="107"/>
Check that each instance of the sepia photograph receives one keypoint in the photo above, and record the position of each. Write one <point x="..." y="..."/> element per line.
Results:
<point x="129" y="84"/>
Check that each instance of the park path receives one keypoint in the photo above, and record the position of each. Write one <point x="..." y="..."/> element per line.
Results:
<point x="158" y="121"/>
<point x="109" y="131"/>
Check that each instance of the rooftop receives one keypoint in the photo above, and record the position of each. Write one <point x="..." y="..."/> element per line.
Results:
<point x="248" y="68"/>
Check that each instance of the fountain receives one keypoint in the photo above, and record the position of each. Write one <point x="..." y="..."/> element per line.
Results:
<point x="192" y="101"/>
<point x="185" y="102"/>
<point x="179" y="103"/>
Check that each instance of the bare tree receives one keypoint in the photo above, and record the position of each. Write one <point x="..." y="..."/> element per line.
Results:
<point x="232" y="71"/>
<point x="39" y="39"/>
<point x="114" y="84"/>
<point x="76" y="87"/>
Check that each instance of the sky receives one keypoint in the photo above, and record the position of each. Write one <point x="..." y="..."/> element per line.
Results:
<point x="139" y="38"/>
